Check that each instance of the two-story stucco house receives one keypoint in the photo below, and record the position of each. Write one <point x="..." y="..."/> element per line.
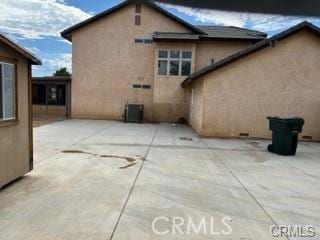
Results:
<point x="224" y="80"/>
<point x="140" y="53"/>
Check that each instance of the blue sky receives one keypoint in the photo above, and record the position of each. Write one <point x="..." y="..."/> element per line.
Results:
<point x="36" y="24"/>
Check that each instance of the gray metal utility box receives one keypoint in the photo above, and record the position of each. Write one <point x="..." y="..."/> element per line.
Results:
<point x="133" y="113"/>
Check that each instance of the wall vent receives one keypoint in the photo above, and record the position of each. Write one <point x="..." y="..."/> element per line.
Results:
<point x="307" y="137"/>
<point x="244" y="134"/>
<point x="146" y="86"/>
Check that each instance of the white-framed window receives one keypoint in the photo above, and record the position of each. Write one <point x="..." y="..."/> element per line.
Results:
<point x="7" y="91"/>
<point x="174" y="63"/>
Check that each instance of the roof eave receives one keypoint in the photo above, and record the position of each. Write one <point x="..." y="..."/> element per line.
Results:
<point x="252" y="39"/>
<point x="32" y="58"/>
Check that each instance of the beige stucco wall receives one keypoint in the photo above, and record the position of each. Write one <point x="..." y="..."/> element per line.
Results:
<point x="170" y="100"/>
<point x="217" y="50"/>
<point x="196" y="105"/>
<point x="14" y="140"/>
<point x="281" y="80"/>
<point x="106" y="62"/>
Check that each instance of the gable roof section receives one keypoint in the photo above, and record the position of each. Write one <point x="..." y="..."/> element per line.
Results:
<point x="212" y="33"/>
<point x="251" y="49"/>
<point x="225" y="32"/>
<point x="34" y="60"/>
<point x="68" y="32"/>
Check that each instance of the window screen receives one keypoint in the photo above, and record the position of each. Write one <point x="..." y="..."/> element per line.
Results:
<point x="52" y="95"/>
<point x="162" y="67"/>
<point x="39" y="94"/>
<point x="7" y="96"/>
<point x="186" y="68"/>
<point x="187" y="54"/>
<point x="174" y="54"/>
<point x="163" y="54"/>
<point x="61" y="95"/>
<point x="56" y="95"/>
<point x="174" y="68"/>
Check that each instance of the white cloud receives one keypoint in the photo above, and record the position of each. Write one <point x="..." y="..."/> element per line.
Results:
<point x="262" y="22"/>
<point x="50" y="65"/>
<point x="35" y="19"/>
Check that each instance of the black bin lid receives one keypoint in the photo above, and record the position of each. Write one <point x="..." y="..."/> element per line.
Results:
<point x="292" y="121"/>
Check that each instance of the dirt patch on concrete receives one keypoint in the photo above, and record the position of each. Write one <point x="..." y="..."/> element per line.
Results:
<point x="128" y="159"/>
<point x="40" y="121"/>
<point x="78" y="151"/>
<point x="127" y="166"/>
<point x="131" y="160"/>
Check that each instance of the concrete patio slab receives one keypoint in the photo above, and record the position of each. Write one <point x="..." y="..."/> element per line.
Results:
<point x="109" y="180"/>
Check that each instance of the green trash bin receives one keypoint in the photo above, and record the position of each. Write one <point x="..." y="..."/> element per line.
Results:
<point x="285" y="133"/>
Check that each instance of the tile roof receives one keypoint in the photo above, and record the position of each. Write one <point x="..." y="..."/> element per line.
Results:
<point x="231" y="32"/>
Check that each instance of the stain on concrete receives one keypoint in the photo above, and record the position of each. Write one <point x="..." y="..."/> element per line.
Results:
<point x="78" y="152"/>
<point x="186" y="139"/>
<point x="131" y="160"/>
<point x="256" y="145"/>
<point x="127" y="166"/>
<point x="128" y="159"/>
<point x="259" y="157"/>
<point x="141" y="158"/>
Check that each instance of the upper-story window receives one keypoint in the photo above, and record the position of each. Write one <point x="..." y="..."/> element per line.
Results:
<point x="7" y="91"/>
<point x="137" y="16"/>
<point x="174" y="63"/>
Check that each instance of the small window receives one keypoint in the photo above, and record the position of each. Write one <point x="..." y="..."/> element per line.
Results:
<point x="187" y="54"/>
<point x="137" y="20"/>
<point x="138" y="8"/>
<point x="146" y="86"/>
<point x="163" y="54"/>
<point x="174" y="54"/>
<point x="186" y="68"/>
<point x="138" y="40"/>
<point x="162" y="67"/>
<point x="136" y="86"/>
<point x="7" y="92"/>
<point x="148" y="41"/>
<point x="174" y="68"/>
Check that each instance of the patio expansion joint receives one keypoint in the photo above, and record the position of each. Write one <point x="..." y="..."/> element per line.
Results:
<point x="298" y="169"/>
<point x="133" y="185"/>
<point x="243" y="186"/>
